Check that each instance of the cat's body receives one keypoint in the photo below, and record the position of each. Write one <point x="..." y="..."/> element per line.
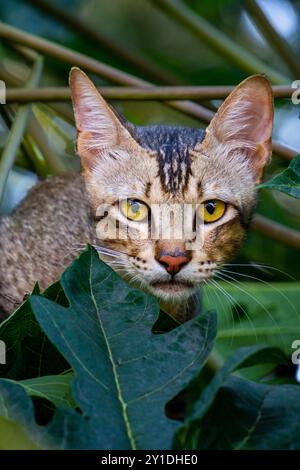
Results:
<point x="128" y="171"/>
<point x="41" y="237"/>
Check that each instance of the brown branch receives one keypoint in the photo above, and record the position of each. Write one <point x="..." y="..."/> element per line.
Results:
<point x="280" y="45"/>
<point x="277" y="231"/>
<point x="284" y="151"/>
<point x="157" y="93"/>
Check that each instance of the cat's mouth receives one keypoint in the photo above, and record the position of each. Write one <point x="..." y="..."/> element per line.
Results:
<point x="172" y="286"/>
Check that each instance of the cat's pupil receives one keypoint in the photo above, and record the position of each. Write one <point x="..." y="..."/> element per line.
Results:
<point x="210" y="206"/>
<point x="135" y="206"/>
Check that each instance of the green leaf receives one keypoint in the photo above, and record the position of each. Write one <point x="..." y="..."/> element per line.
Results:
<point x="124" y="374"/>
<point x="19" y="430"/>
<point x="12" y="437"/>
<point x="124" y="367"/>
<point x="288" y="181"/>
<point x="248" y="415"/>
<point x="29" y="353"/>
<point x="244" y="357"/>
<point x="234" y="413"/>
<point x="55" y="388"/>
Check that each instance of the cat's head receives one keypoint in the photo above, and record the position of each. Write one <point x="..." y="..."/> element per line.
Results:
<point x="197" y="187"/>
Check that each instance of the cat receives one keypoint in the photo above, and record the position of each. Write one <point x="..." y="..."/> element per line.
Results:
<point x="126" y="171"/>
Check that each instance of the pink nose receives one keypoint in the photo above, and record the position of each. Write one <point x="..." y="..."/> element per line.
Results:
<point x="173" y="264"/>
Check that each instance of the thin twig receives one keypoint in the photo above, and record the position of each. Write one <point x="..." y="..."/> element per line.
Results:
<point x="17" y="130"/>
<point x="280" y="45"/>
<point x="276" y="231"/>
<point x="217" y="40"/>
<point x="157" y="93"/>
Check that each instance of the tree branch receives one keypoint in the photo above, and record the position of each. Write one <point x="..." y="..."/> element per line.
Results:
<point x="278" y="232"/>
<point x="157" y="93"/>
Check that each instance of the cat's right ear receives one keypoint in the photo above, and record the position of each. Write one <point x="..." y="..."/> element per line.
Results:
<point x="98" y="128"/>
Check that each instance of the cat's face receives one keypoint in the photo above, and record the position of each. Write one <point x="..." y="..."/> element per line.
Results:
<point x="172" y="204"/>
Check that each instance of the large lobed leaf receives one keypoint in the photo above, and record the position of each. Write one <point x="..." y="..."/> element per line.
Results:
<point x="124" y="374"/>
<point x="234" y="413"/>
<point x="248" y="415"/>
<point x="30" y="354"/>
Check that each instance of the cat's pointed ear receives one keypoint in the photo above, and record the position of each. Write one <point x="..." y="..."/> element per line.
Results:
<point x="98" y="127"/>
<point x="244" y="122"/>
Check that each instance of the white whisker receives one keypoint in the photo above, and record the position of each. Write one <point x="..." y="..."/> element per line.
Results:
<point x="234" y="302"/>
<point x="285" y="297"/>
<point x="236" y="285"/>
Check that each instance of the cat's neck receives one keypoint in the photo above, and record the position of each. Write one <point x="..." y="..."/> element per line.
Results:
<point x="185" y="310"/>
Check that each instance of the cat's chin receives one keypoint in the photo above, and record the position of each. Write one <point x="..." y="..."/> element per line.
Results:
<point x="172" y="290"/>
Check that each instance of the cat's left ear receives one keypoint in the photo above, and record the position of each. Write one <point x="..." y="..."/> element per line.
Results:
<point x="99" y="130"/>
<point x="244" y="122"/>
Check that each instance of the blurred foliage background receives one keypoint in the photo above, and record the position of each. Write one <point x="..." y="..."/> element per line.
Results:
<point x="145" y="40"/>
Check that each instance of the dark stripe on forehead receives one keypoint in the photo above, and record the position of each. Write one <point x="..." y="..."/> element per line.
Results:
<point x="174" y="167"/>
<point x="172" y="146"/>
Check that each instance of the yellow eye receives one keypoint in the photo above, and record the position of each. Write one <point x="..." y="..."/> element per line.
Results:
<point x="212" y="210"/>
<point x="134" y="209"/>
